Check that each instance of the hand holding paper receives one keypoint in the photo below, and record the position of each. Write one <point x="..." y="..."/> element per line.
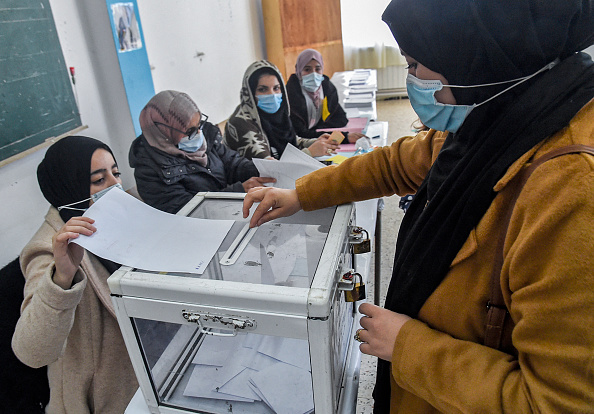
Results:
<point x="132" y="233"/>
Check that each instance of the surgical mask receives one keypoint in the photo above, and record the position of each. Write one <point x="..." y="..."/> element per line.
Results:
<point x="270" y="103"/>
<point x="445" y="117"/>
<point x="312" y="81"/>
<point x="93" y="197"/>
<point x="191" y="145"/>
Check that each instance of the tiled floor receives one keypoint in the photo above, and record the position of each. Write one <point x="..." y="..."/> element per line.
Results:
<point x="400" y="116"/>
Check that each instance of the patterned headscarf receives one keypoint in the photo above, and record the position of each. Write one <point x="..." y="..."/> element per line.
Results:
<point x="252" y="132"/>
<point x="175" y="109"/>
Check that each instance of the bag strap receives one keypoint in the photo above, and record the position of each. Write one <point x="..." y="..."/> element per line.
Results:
<point x="496" y="309"/>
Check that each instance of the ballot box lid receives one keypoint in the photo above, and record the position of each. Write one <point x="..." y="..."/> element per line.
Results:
<point x="289" y="265"/>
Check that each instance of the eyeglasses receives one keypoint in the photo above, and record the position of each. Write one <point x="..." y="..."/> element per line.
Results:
<point x="190" y="132"/>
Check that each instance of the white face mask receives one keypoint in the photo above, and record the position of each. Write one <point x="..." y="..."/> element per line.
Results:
<point x="93" y="197"/>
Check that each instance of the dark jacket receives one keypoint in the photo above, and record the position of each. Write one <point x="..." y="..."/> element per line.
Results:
<point x="167" y="182"/>
<point x="299" y="118"/>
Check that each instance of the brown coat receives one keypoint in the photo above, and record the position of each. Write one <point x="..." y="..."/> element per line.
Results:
<point x="72" y="331"/>
<point x="438" y="362"/>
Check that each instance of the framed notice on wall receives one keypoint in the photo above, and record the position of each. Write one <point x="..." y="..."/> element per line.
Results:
<point x="132" y="56"/>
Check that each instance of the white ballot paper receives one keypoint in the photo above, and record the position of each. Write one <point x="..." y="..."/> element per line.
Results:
<point x="135" y="234"/>
<point x="292" y="165"/>
<point x="274" y="370"/>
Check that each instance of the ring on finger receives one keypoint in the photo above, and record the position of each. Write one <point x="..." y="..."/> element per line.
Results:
<point x="357" y="337"/>
<point x="329" y="150"/>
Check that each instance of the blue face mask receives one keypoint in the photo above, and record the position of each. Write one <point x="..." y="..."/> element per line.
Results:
<point x="270" y="103"/>
<point x="433" y="114"/>
<point x="444" y="117"/>
<point x="93" y="197"/>
<point x="312" y="81"/>
<point x="191" y="145"/>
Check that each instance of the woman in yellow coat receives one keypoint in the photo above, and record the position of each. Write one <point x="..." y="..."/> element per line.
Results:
<point x="508" y="82"/>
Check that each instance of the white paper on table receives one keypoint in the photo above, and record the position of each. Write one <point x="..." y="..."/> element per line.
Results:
<point x="132" y="233"/>
<point x="287" y="390"/>
<point x="292" y="165"/>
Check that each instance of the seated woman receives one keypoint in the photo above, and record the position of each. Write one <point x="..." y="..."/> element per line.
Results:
<point x="180" y="154"/>
<point x="67" y="319"/>
<point x="314" y="99"/>
<point x="260" y="127"/>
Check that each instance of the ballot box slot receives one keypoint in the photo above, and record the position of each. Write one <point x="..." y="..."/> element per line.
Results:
<point x="238" y="245"/>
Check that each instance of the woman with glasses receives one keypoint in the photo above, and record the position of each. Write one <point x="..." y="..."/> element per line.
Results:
<point x="179" y="154"/>
<point x="261" y="127"/>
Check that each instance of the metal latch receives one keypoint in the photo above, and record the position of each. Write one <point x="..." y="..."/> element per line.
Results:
<point x="353" y="290"/>
<point x="230" y="323"/>
<point x="359" y="239"/>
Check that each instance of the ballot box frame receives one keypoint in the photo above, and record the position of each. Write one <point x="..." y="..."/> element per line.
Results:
<point x="303" y="313"/>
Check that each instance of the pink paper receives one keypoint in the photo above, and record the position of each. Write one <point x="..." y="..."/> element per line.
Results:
<point x="354" y="125"/>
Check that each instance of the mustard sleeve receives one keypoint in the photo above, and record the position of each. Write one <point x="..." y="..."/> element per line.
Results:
<point x="396" y="169"/>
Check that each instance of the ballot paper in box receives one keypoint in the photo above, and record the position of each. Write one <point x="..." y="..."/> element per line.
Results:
<point x="265" y="328"/>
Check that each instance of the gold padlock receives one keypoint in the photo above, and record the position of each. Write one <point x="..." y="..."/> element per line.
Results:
<point x="362" y="247"/>
<point x="358" y="291"/>
<point x="360" y="243"/>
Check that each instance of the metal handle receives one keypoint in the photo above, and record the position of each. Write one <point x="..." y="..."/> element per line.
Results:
<point x="230" y="323"/>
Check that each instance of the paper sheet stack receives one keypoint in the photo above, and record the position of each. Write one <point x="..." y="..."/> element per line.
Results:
<point x="251" y="368"/>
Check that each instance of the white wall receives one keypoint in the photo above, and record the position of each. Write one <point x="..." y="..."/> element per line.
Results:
<point x="203" y="48"/>
<point x="174" y="31"/>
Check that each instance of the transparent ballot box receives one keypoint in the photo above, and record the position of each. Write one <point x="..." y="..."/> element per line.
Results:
<point x="265" y="329"/>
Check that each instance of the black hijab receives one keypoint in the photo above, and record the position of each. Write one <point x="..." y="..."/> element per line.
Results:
<point x="473" y="42"/>
<point x="277" y="126"/>
<point x="64" y="177"/>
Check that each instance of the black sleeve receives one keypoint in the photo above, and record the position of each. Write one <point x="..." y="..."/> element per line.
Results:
<point x="337" y="117"/>
<point x="156" y="193"/>
<point x="237" y="168"/>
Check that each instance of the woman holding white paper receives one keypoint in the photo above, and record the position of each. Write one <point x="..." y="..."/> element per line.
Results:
<point x="67" y="319"/>
<point x="260" y="126"/>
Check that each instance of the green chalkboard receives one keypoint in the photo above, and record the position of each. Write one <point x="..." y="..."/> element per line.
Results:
<point x="36" y="99"/>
